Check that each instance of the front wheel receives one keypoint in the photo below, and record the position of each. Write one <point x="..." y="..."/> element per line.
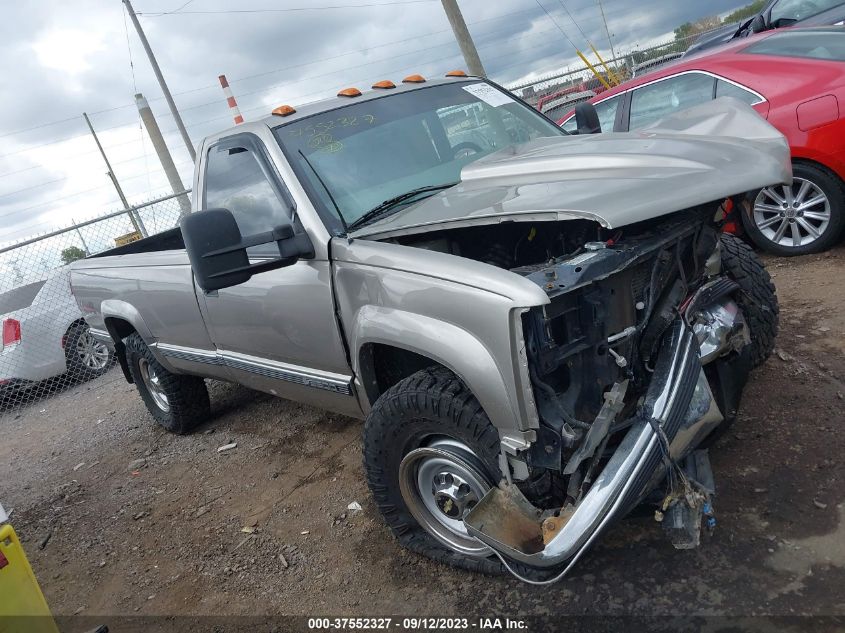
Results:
<point x="430" y="454"/>
<point x="757" y="297"/>
<point x="178" y="403"/>
<point x="807" y="216"/>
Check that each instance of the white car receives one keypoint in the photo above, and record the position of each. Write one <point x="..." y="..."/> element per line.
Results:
<point x="44" y="335"/>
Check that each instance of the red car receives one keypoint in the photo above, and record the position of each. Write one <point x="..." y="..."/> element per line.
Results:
<point x="793" y="77"/>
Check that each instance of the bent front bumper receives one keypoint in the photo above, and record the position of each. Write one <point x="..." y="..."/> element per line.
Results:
<point x="514" y="528"/>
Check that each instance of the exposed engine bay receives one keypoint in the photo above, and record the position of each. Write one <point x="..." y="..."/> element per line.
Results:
<point x="641" y="353"/>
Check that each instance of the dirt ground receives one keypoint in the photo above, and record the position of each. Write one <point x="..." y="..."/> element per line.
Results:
<point x="120" y="517"/>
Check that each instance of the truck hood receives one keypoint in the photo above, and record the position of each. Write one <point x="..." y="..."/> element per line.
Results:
<point x="699" y="155"/>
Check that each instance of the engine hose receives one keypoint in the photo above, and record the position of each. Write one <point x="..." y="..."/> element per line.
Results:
<point x="546" y="389"/>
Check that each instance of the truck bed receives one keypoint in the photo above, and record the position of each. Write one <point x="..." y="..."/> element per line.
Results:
<point x="165" y="241"/>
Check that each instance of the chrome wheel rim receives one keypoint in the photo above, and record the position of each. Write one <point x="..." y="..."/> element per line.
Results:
<point x="152" y="381"/>
<point x="792" y="215"/>
<point x="440" y="483"/>
<point x="93" y="354"/>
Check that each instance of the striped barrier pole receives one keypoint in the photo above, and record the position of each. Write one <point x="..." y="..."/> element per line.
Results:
<point x="230" y="99"/>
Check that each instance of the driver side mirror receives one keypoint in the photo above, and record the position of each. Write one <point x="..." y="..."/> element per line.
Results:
<point x="217" y="250"/>
<point x="587" y="119"/>
<point x="782" y="22"/>
<point x="758" y="24"/>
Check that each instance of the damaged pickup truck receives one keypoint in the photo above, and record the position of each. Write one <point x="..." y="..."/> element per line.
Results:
<point x="541" y="330"/>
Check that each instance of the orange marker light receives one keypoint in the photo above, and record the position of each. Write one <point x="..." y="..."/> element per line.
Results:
<point x="284" y="110"/>
<point x="384" y="85"/>
<point x="413" y="79"/>
<point x="349" y="92"/>
<point x="456" y="73"/>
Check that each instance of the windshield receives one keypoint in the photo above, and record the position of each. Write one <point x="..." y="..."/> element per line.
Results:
<point x="800" y="9"/>
<point x="823" y="44"/>
<point x="361" y="155"/>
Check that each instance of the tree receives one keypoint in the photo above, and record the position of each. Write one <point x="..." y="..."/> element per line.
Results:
<point x="690" y="29"/>
<point x="745" y="12"/>
<point x="72" y="253"/>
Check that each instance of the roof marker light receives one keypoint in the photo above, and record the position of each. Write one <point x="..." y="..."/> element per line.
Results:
<point x="384" y="85"/>
<point x="349" y="92"/>
<point x="413" y="79"/>
<point x="456" y="73"/>
<point x="284" y="110"/>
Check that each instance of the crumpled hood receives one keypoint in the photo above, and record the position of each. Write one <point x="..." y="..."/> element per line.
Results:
<point x="705" y="153"/>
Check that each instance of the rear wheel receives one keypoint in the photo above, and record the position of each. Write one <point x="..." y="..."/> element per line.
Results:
<point x="430" y="454"/>
<point x="85" y="357"/>
<point x="757" y="297"/>
<point x="807" y="216"/>
<point x="178" y="403"/>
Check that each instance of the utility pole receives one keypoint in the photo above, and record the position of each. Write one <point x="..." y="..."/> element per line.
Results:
<point x="171" y="104"/>
<point x="607" y="30"/>
<point x="134" y="217"/>
<point x="163" y="153"/>
<point x="459" y="28"/>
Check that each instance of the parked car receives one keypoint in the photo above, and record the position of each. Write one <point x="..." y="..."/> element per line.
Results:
<point x="795" y="78"/>
<point x="776" y="14"/>
<point x="44" y="336"/>
<point x="653" y="64"/>
<point x="553" y="108"/>
<point x="525" y="327"/>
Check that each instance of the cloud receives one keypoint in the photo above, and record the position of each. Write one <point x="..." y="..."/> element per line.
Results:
<point x="67" y="50"/>
<point x="70" y="57"/>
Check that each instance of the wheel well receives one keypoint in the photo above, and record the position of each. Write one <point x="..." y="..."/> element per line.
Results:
<point x="119" y="329"/>
<point x="382" y="366"/>
<point x="76" y="323"/>
<point x="814" y="163"/>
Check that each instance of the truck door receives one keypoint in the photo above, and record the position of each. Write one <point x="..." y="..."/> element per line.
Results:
<point x="277" y="332"/>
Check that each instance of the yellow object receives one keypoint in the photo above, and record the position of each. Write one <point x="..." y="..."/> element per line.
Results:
<point x="610" y="74"/>
<point x="595" y="72"/>
<point x="22" y="605"/>
<point x="123" y="240"/>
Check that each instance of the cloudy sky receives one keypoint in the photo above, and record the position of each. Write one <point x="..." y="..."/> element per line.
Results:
<point x="63" y="58"/>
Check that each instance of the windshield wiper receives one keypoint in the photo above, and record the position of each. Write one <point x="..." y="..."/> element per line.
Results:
<point x="390" y="204"/>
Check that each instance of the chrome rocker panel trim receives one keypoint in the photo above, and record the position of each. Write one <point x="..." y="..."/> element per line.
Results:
<point x="337" y="383"/>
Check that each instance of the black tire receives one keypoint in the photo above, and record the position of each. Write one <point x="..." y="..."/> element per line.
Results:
<point x="187" y="396"/>
<point x="77" y="369"/>
<point x="431" y="402"/>
<point x="832" y="187"/>
<point x="464" y="147"/>
<point x="757" y="297"/>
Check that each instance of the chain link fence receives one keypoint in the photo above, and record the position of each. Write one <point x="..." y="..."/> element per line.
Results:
<point x="550" y="90"/>
<point x="45" y="346"/>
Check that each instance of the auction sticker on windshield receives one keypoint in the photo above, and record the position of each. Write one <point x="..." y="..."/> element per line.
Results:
<point x="488" y="94"/>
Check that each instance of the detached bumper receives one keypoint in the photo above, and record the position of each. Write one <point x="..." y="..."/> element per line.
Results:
<point x="514" y="528"/>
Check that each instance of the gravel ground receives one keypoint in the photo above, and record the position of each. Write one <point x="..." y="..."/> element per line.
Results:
<point x="120" y="517"/>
